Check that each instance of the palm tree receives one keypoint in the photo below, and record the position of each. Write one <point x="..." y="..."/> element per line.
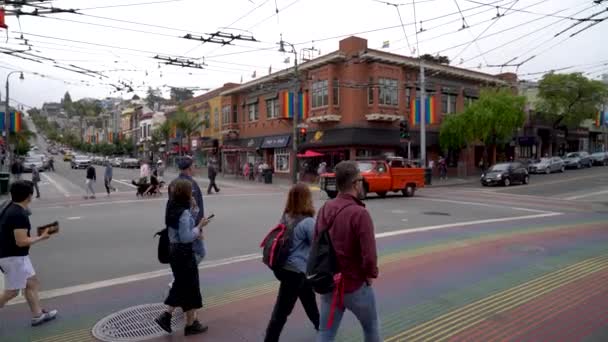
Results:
<point x="163" y="132"/>
<point x="188" y="123"/>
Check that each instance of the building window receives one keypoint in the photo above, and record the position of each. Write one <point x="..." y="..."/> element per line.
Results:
<point x="272" y="108"/>
<point x="469" y="100"/>
<point x="281" y="160"/>
<point x="207" y="119"/>
<point x="149" y="128"/>
<point x="448" y="103"/>
<point x="254" y="113"/>
<point x="226" y="115"/>
<point x="320" y="96"/>
<point x="388" y="94"/>
<point x="370" y="91"/>
<point x="336" y="92"/>
<point x="216" y="117"/>
<point x="408" y="96"/>
<point x="235" y="114"/>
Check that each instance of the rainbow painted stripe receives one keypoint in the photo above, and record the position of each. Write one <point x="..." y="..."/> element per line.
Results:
<point x="600" y="119"/>
<point x="288" y="105"/>
<point x="430" y="111"/>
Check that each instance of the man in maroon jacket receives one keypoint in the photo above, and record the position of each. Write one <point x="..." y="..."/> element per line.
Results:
<point x="352" y="236"/>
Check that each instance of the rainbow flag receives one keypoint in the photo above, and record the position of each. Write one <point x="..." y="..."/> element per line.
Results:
<point x="288" y="105"/>
<point x="600" y="119"/>
<point x="14" y="122"/>
<point x="430" y="111"/>
<point x="173" y="134"/>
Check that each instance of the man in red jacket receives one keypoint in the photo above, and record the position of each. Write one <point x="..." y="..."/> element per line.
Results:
<point x="352" y="237"/>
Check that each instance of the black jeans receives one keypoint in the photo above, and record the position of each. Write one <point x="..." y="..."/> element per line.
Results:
<point x="212" y="185"/>
<point x="293" y="286"/>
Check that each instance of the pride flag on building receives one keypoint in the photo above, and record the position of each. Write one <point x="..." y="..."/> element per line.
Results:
<point x="288" y="105"/>
<point x="430" y="111"/>
<point x="600" y="119"/>
<point x="14" y="122"/>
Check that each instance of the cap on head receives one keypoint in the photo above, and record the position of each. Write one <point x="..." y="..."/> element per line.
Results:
<point x="184" y="163"/>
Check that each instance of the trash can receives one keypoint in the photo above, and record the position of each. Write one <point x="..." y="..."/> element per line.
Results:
<point x="267" y="174"/>
<point x="4" y="181"/>
<point x="428" y="176"/>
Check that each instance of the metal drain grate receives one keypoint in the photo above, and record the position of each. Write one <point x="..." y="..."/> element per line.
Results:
<point x="135" y="324"/>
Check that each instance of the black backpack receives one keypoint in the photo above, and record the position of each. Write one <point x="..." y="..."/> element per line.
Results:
<point x="322" y="262"/>
<point x="3" y="207"/>
<point x="277" y="244"/>
<point x="163" y="246"/>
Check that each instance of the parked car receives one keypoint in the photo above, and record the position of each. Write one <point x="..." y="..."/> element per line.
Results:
<point x="130" y="163"/>
<point x="505" y="174"/>
<point x="548" y="165"/>
<point x="577" y="160"/>
<point x="381" y="177"/>
<point x="116" y="162"/>
<point x="34" y="160"/>
<point x="600" y="158"/>
<point x="97" y="160"/>
<point x="80" y="162"/>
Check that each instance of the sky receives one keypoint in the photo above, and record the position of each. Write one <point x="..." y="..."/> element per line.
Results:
<point x="118" y="40"/>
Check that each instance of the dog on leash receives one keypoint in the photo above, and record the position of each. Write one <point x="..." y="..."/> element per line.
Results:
<point x="147" y="189"/>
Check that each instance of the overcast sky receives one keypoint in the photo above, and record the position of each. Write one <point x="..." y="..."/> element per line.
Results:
<point x="526" y="28"/>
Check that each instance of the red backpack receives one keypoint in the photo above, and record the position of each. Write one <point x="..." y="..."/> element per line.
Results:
<point x="277" y="244"/>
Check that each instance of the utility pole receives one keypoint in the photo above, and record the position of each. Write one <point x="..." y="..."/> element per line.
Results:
<point x="294" y="138"/>
<point x="422" y="116"/>
<point x="7" y="116"/>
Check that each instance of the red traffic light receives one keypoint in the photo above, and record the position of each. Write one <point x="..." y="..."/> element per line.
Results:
<point x="302" y="130"/>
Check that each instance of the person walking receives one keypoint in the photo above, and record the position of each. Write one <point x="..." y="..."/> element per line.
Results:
<point x="36" y="179"/>
<point x="90" y="182"/>
<point x="352" y="235"/>
<point x="160" y="168"/>
<point x="212" y="174"/>
<point x="52" y="164"/>
<point x="299" y="210"/>
<point x="17" y="169"/>
<point x="15" y="243"/>
<point x="185" y="291"/>
<point x="107" y="177"/>
<point x="185" y="165"/>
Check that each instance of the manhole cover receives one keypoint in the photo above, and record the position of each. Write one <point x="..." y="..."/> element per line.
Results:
<point x="436" y="213"/>
<point x="135" y="324"/>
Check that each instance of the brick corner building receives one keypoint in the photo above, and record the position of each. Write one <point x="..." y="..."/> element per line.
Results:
<point x="352" y="101"/>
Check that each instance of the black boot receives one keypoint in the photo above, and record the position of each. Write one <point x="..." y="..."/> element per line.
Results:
<point x="164" y="321"/>
<point x="195" y="329"/>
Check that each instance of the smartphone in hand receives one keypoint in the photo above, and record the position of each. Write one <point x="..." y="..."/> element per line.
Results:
<point x="52" y="228"/>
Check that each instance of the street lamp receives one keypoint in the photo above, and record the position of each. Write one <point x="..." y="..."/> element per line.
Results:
<point x="7" y="115"/>
<point x="294" y="138"/>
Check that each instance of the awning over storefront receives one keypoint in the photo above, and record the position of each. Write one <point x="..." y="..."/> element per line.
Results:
<point x="246" y="144"/>
<point x="279" y="141"/>
<point x="363" y="137"/>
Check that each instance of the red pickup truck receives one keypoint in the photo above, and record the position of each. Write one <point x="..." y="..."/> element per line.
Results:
<point x="381" y="177"/>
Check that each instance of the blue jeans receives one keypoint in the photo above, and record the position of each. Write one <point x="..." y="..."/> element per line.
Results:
<point x="362" y="303"/>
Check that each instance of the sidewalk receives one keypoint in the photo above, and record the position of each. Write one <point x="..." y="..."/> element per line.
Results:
<point x="453" y="181"/>
<point x="416" y="285"/>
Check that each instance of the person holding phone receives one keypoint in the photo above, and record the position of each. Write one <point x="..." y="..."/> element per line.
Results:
<point x="15" y="243"/>
<point x="185" y="234"/>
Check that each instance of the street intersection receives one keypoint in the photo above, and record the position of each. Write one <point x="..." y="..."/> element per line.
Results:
<point x="458" y="262"/>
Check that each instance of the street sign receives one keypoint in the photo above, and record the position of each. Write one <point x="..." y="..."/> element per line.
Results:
<point x="302" y="125"/>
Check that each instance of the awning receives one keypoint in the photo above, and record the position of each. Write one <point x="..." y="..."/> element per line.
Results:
<point x="279" y="141"/>
<point x="310" y="154"/>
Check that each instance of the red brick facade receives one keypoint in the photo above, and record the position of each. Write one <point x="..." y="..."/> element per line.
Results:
<point x="356" y="98"/>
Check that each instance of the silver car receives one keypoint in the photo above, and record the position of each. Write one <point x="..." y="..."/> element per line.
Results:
<point x="548" y="165"/>
<point x="600" y="158"/>
<point x="33" y="161"/>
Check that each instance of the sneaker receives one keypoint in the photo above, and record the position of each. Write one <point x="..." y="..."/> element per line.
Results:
<point x="170" y="285"/>
<point x="164" y="321"/>
<point x="44" y="317"/>
<point x="195" y="329"/>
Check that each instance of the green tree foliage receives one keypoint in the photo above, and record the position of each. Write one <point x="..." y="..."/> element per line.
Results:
<point x="66" y="102"/>
<point x="187" y="123"/>
<point x="153" y="96"/>
<point x="569" y="99"/>
<point x="179" y="95"/>
<point x="490" y="120"/>
<point x="435" y="59"/>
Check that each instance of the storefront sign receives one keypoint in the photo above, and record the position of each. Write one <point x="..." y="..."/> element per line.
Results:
<point x="526" y="140"/>
<point x="280" y="141"/>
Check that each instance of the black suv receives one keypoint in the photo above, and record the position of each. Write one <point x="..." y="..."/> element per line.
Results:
<point x="505" y="174"/>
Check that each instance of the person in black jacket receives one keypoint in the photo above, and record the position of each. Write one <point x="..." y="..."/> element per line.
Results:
<point x="91" y="178"/>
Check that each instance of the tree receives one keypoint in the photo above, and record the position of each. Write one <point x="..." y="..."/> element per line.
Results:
<point x="490" y="120"/>
<point x="179" y="95"/>
<point x="66" y="102"/>
<point x="163" y="132"/>
<point x="187" y="123"/>
<point x="570" y="99"/>
<point x="435" y="59"/>
<point x="154" y="96"/>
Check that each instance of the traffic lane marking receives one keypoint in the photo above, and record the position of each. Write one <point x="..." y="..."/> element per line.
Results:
<point x="238" y="259"/>
<point x="56" y="184"/>
<point x="590" y="194"/>
<point x="499" y="206"/>
<point x="573" y="179"/>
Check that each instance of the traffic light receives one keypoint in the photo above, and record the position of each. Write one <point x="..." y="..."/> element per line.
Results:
<point x="302" y="136"/>
<point x="404" y="130"/>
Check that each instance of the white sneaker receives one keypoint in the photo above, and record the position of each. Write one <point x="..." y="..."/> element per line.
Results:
<point x="170" y="284"/>
<point x="44" y="317"/>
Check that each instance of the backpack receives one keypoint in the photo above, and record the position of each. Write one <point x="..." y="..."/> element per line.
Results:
<point x="163" y="246"/>
<point x="277" y="244"/>
<point x="322" y="262"/>
<point x="3" y="207"/>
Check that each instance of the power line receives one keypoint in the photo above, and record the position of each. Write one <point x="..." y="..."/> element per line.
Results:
<point x="129" y="5"/>
<point x="530" y="12"/>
